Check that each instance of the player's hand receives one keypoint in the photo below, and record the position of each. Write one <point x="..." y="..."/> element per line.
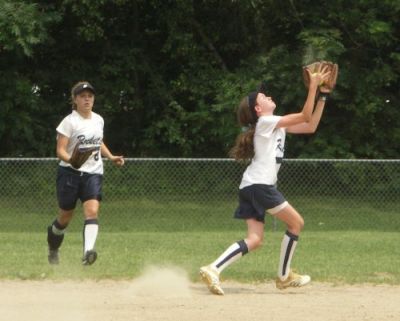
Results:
<point x="118" y="160"/>
<point x="329" y="84"/>
<point x="320" y="76"/>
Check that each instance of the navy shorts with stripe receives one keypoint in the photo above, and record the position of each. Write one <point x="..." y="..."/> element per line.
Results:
<point x="255" y="199"/>
<point x="73" y="185"/>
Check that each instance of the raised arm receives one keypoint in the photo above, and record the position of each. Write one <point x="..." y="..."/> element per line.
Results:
<point x="305" y="116"/>
<point x="312" y="125"/>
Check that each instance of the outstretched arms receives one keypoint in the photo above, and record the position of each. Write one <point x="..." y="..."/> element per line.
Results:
<point x="305" y="116"/>
<point x="312" y="125"/>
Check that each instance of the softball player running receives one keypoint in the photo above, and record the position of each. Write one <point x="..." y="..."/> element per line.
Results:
<point x="263" y="143"/>
<point x="85" y="127"/>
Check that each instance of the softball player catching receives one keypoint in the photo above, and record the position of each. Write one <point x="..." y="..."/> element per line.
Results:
<point x="263" y="142"/>
<point x="84" y="128"/>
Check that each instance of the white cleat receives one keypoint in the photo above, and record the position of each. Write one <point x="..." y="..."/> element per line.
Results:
<point x="211" y="278"/>
<point x="293" y="280"/>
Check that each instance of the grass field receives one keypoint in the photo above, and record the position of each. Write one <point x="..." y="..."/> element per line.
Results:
<point x="343" y="241"/>
<point x="180" y="214"/>
<point x="338" y="257"/>
<point x="161" y="221"/>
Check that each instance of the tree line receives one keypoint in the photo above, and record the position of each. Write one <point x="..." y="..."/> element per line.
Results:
<point x="169" y="74"/>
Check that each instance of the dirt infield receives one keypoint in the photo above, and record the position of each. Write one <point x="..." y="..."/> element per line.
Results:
<point x="166" y="294"/>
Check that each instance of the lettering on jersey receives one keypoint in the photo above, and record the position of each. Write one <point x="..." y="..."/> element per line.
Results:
<point x="89" y="141"/>
<point x="279" y="151"/>
<point x="279" y="146"/>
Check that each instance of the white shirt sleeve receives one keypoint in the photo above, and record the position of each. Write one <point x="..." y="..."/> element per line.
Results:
<point x="65" y="127"/>
<point x="266" y="125"/>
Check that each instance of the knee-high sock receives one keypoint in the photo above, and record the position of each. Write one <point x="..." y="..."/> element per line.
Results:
<point x="55" y="235"/>
<point x="90" y="231"/>
<point x="231" y="254"/>
<point x="288" y="246"/>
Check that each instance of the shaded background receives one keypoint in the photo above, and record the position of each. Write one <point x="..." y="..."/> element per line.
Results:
<point x="169" y="74"/>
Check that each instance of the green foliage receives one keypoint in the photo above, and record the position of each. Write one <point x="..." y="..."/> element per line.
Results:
<point x="23" y="26"/>
<point x="321" y="44"/>
<point x="169" y="74"/>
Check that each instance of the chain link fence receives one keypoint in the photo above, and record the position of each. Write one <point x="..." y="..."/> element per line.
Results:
<point x="201" y="194"/>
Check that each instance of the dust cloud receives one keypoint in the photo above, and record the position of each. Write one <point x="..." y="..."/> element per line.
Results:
<point x="166" y="282"/>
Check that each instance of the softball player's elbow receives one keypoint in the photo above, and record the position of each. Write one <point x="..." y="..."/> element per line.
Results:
<point x="306" y="116"/>
<point x="313" y="126"/>
<point x="312" y="129"/>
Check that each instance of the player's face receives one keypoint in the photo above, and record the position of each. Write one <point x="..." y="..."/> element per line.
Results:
<point x="265" y="104"/>
<point x="84" y="101"/>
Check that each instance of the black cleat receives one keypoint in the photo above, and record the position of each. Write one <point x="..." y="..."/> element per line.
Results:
<point x="89" y="258"/>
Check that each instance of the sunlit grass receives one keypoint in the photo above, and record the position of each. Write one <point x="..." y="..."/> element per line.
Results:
<point x="345" y="256"/>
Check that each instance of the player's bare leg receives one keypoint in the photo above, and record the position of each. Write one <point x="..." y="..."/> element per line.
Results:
<point x="255" y="234"/>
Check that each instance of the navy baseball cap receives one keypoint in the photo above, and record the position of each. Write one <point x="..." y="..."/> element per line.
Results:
<point x="82" y="87"/>
<point x="252" y="98"/>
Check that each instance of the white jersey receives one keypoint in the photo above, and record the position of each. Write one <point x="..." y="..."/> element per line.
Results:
<point x="269" y="143"/>
<point x="87" y="131"/>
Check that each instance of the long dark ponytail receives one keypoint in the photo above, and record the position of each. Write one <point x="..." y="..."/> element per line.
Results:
<point x="243" y="150"/>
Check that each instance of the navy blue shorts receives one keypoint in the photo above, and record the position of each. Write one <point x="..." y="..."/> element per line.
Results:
<point x="73" y="185"/>
<point x="255" y="199"/>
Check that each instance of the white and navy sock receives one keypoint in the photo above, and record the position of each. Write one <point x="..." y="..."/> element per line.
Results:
<point x="57" y="228"/>
<point x="55" y="235"/>
<point x="90" y="231"/>
<point x="288" y="246"/>
<point x="232" y="254"/>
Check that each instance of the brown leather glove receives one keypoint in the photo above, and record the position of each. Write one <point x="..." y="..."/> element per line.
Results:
<point x="81" y="154"/>
<point x="327" y="86"/>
